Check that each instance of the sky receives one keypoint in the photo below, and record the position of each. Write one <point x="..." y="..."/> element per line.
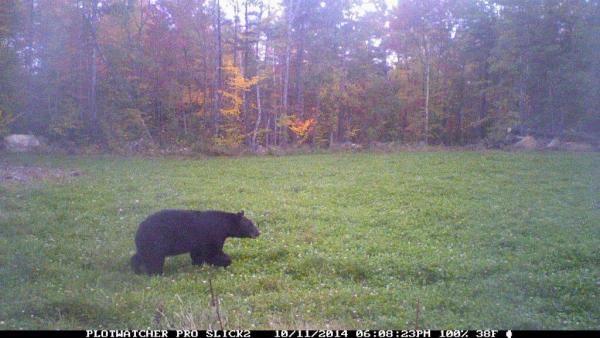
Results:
<point x="367" y="5"/>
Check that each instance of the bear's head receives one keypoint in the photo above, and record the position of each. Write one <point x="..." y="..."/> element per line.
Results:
<point x="243" y="227"/>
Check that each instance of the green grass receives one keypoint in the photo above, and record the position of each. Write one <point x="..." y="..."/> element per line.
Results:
<point x="480" y="240"/>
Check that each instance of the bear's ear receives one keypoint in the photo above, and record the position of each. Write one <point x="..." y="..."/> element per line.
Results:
<point x="240" y="214"/>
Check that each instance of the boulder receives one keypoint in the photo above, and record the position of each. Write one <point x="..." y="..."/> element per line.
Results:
<point x="276" y="151"/>
<point x="21" y="143"/>
<point x="526" y="143"/>
<point x="139" y="146"/>
<point x="346" y="146"/>
<point x="576" y="146"/>
<point x="383" y="146"/>
<point x="554" y="144"/>
<point x="261" y="150"/>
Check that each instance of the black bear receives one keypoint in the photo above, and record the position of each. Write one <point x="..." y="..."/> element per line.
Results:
<point x="201" y="233"/>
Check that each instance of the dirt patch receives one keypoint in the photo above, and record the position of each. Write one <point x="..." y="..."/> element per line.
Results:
<point x="10" y="174"/>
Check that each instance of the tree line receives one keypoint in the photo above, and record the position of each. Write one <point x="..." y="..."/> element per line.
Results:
<point x="249" y="73"/>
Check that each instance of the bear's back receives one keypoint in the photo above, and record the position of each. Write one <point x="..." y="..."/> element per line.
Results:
<point x="178" y="231"/>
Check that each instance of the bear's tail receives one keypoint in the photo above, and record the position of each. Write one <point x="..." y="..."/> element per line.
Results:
<point x="136" y="263"/>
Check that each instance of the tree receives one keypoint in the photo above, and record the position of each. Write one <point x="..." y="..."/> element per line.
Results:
<point x="423" y="29"/>
<point x="119" y="73"/>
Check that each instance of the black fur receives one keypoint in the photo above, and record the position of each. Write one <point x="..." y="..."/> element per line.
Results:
<point x="201" y="233"/>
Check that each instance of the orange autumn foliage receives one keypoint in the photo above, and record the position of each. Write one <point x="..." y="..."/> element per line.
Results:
<point x="301" y="128"/>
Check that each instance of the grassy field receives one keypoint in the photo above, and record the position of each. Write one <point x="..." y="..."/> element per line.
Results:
<point x="478" y="240"/>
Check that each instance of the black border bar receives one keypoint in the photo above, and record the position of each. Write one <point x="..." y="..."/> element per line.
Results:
<point x="115" y="333"/>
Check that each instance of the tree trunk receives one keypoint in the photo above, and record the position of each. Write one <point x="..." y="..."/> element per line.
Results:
<point x="93" y="65"/>
<point x="341" y="134"/>
<point x="523" y="115"/>
<point x="484" y="104"/>
<point x="236" y="24"/>
<point x="258" y="116"/>
<point x="218" y="69"/>
<point x="206" y="95"/>
<point x="184" y="109"/>
<point x="279" y="112"/>
<point x="427" y="76"/>
<point x="29" y="60"/>
<point x="288" y="51"/>
<point x="245" y="72"/>
<point x="299" y="84"/>
<point x="258" y="102"/>
<point x="458" y="133"/>
<point x="80" y="61"/>
<point x="267" y="135"/>
<point x="274" y="111"/>
<point x="94" y="76"/>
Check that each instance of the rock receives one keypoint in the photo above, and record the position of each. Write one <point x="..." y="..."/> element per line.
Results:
<point x="346" y="146"/>
<point x="140" y="146"/>
<point x="576" y="146"/>
<point x="260" y="150"/>
<point x="554" y="144"/>
<point x="526" y="143"/>
<point x="21" y="143"/>
<point x="382" y="146"/>
<point x="276" y="151"/>
<point x="479" y="146"/>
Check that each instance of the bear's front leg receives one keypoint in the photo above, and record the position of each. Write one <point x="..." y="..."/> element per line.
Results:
<point x="154" y="265"/>
<point x="197" y="257"/>
<point x="220" y="259"/>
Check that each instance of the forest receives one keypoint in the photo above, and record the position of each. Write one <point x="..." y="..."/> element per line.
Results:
<point x="257" y="73"/>
<point x="402" y="204"/>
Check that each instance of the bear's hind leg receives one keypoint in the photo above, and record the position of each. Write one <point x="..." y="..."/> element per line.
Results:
<point x="197" y="257"/>
<point x="220" y="259"/>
